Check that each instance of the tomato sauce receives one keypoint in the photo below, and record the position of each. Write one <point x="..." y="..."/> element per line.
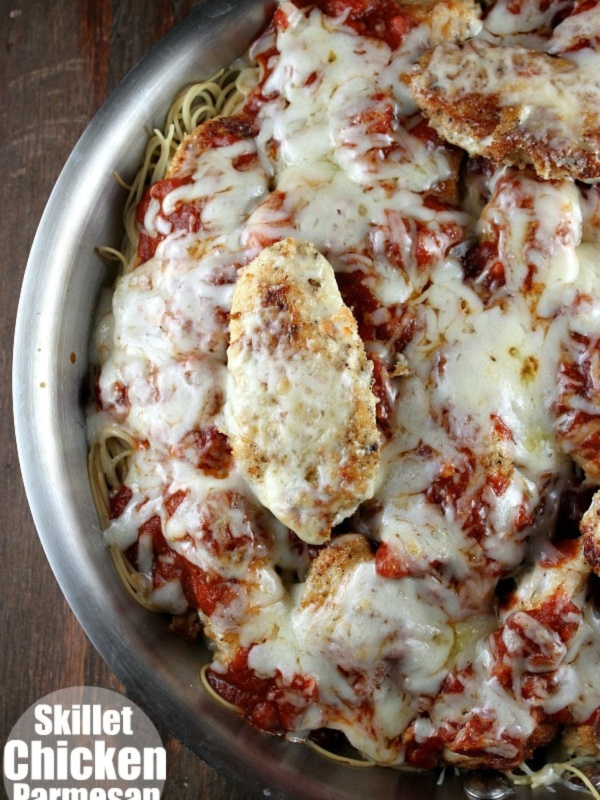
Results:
<point x="267" y="703"/>
<point x="147" y="243"/>
<point x="484" y="256"/>
<point x="560" y="614"/>
<point x="186" y="216"/>
<point x="423" y="755"/>
<point x="380" y="19"/>
<point x="201" y="589"/>
<point x="223" y="537"/>
<point x="118" y="501"/>
<point x="401" y="323"/>
<point x="451" y="484"/>
<point x="383" y="392"/>
<point x="388" y="564"/>
<point x="173" y="501"/>
<point x="214" y="456"/>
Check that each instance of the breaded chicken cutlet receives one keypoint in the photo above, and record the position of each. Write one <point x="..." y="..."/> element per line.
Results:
<point x="513" y="106"/>
<point x="301" y="413"/>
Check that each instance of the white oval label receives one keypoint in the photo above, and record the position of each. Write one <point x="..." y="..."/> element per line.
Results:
<point x="84" y="743"/>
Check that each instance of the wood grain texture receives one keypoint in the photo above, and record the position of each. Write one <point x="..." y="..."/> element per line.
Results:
<point x="58" y="62"/>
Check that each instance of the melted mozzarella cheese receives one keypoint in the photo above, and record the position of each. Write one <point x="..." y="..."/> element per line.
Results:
<point x="473" y="461"/>
<point x="530" y="17"/>
<point x="553" y="97"/>
<point x="514" y="105"/>
<point x="393" y="635"/>
<point x="510" y="385"/>
<point x="344" y="69"/>
<point x="333" y="167"/>
<point x="300" y="413"/>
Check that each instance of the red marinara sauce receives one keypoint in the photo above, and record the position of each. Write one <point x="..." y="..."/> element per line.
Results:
<point x="269" y="704"/>
<point x="201" y="589"/>
<point x="380" y="19"/>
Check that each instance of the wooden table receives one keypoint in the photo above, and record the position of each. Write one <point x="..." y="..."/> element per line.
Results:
<point x="58" y="62"/>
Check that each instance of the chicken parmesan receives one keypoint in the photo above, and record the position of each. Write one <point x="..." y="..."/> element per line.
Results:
<point x="300" y="413"/>
<point x="346" y="419"/>
<point x="514" y="106"/>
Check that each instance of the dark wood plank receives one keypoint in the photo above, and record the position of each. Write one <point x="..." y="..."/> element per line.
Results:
<point x="58" y="62"/>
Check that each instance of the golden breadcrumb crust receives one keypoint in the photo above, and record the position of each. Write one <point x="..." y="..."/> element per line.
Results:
<point x="277" y="313"/>
<point x="216" y="132"/>
<point x="482" y="122"/>
<point x="333" y="563"/>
